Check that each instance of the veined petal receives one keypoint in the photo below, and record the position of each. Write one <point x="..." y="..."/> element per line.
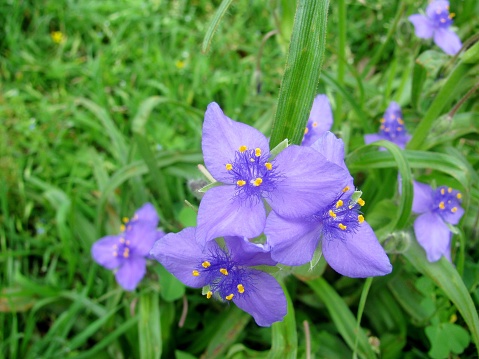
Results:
<point x="447" y="40"/>
<point x="331" y="147"/>
<point x="292" y="242"/>
<point x="310" y="182"/>
<point x="180" y="254"/>
<point x="131" y="272"/>
<point x="423" y="27"/>
<point x="222" y="137"/>
<point x="423" y="197"/>
<point x="263" y="298"/>
<point x="358" y="255"/>
<point x="103" y="251"/>
<point x="433" y="235"/>
<point x="245" y="253"/>
<point x="221" y="213"/>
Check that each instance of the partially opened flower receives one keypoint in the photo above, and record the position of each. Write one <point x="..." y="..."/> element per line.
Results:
<point x="238" y="156"/>
<point x="436" y="208"/>
<point x="226" y="272"/>
<point x="392" y="128"/>
<point x="436" y="23"/>
<point x="127" y="251"/>
<point x="348" y="243"/>
<point x="320" y="120"/>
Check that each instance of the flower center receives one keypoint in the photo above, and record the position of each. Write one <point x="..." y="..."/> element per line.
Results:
<point x="442" y="18"/>
<point x="392" y="126"/>
<point x="121" y="248"/>
<point x="446" y="200"/>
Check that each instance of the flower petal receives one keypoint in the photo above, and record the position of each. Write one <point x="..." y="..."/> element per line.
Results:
<point x="310" y="182"/>
<point x="372" y="137"/>
<point x="423" y="197"/>
<point x="423" y="27"/>
<point x="102" y="252"/>
<point x="221" y="213"/>
<point x="331" y="147"/>
<point x="358" y="255"/>
<point x="147" y="213"/>
<point x="142" y="235"/>
<point x="447" y="40"/>
<point x="131" y="272"/>
<point x="320" y="119"/>
<point x="292" y="242"/>
<point x="433" y="235"/>
<point x="436" y="6"/>
<point x="222" y="137"/>
<point x="263" y="298"/>
<point x="245" y="253"/>
<point x="180" y="254"/>
<point x="453" y="217"/>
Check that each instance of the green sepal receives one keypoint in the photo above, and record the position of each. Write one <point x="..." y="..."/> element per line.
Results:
<point x="207" y="187"/>
<point x="281" y="146"/>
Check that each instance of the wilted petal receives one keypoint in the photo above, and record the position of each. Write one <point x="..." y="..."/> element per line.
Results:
<point x="331" y="147"/>
<point x="433" y="235"/>
<point x="131" y="272"/>
<point x="447" y="40"/>
<point x="422" y="198"/>
<point x="102" y="252"/>
<point x="222" y="137"/>
<point x="423" y="27"/>
<point x="263" y="298"/>
<point x="358" y="255"/>
<point x="221" y="213"/>
<point x="246" y="253"/>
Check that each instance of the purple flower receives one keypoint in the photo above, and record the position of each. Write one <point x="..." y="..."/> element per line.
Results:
<point x="320" y="120"/>
<point x="436" y="208"/>
<point x="348" y="243"/>
<point x="392" y="128"/>
<point x="226" y="272"/>
<point x="238" y="156"/>
<point x="437" y="24"/>
<point x="128" y="250"/>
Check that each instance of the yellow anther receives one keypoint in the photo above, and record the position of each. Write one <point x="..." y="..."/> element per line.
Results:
<point x="229" y="166"/>
<point x="315" y="124"/>
<point x="127" y="243"/>
<point x="443" y="191"/>
<point x="361" y="202"/>
<point x="399" y="129"/>
<point x="125" y="220"/>
<point x="209" y="294"/>
<point x="382" y="127"/>
<point x="268" y="166"/>
<point x="122" y="228"/>
<point x="126" y="253"/>
<point x="339" y="203"/>
<point x="257" y="182"/>
<point x="224" y="271"/>
<point x="441" y="205"/>
<point x="306" y="130"/>
<point x="229" y="297"/>
<point x="345" y="189"/>
<point x="454" y="209"/>
<point x="241" y="183"/>
<point x="449" y="190"/>
<point x="400" y="121"/>
<point x="243" y="148"/>
<point x="342" y="226"/>
<point x="459" y="196"/>
<point x="240" y="288"/>
<point x="360" y="218"/>
<point x="393" y="116"/>
<point x="382" y="120"/>
<point x="257" y="152"/>
<point x="195" y="273"/>
<point x="122" y="240"/>
<point x="206" y="264"/>
<point x="443" y="20"/>
<point x="332" y="214"/>
<point x="386" y="129"/>
<point x="115" y="254"/>
<point x="451" y="15"/>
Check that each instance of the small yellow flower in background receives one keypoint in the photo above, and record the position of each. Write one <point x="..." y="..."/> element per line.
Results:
<point x="57" y="37"/>
<point x="179" y="64"/>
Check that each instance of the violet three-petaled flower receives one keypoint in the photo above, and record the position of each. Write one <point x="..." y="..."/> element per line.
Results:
<point x="127" y="251"/>
<point x="436" y="207"/>
<point x="436" y="24"/>
<point x="348" y="243"/>
<point x="392" y="128"/>
<point x="226" y="272"/>
<point x="320" y="120"/>
<point x="238" y="156"/>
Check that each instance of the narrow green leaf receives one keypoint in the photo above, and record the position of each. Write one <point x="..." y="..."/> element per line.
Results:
<point x="149" y="326"/>
<point x="362" y="303"/>
<point x="418" y="79"/>
<point x="219" y="14"/>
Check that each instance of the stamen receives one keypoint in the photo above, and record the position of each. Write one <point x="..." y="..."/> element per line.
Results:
<point x="360" y="218"/>
<point x="443" y="191"/>
<point x="345" y="189"/>
<point x="195" y="273"/>
<point x="361" y="202"/>
<point x="339" y="203"/>
<point x="122" y="240"/>
<point x="229" y="297"/>
<point x="125" y="219"/>
<point x="449" y="190"/>
<point x="115" y="254"/>
<point x="382" y="127"/>
<point x="206" y="264"/>
<point x="243" y="148"/>
<point x="332" y="214"/>
<point x="268" y="166"/>
<point x="122" y="228"/>
<point x="224" y="271"/>
<point x="306" y="130"/>
<point x="126" y="253"/>
<point x="451" y="15"/>
<point x="459" y="196"/>
<point x="441" y="205"/>
<point x="241" y="183"/>
<point x="127" y="242"/>
<point x="257" y="152"/>
<point x="386" y="129"/>
<point x="400" y="121"/>
<point x="382" y="120"/>
<point x="229" y="166"/>
<point x="315" y="124"/>
<point x="209" y="294"/>
<point x="257" y="182"/>
<point x="454" y="209"/>
<point x="342" y="226"/>
<point x="399" y="129"/>
<point x="443" y="20"/>
<point x="240" y="288"/>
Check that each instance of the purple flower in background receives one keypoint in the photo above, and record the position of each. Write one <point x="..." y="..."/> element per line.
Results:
<point x="437" y="24"/>
<point x="128" y="250"/>
<point x="227" y="273"/>
<point x="238" y="156"/>
<point x="348" y="243"/>
<point x="320" y="120"/>
<point x="436" y="208"/>
<point x="392" y="128"/>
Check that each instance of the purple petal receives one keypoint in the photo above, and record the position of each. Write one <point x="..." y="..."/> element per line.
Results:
<point x="320" y="119"/>
<point x="423" y="27"/>
<point x="436" y="6"/>
<point x="453" y="217"/>
<point x="102" y="252"/>
<point x="358" y="255"/>
<point x="331" y="147"/>
<point x="147" y="213"/>
<point x="433" y="235"/>
<point x="373" y="137"/>
<point x="222" y="137"/>
<point x="447" y="40"/>
<point x="131" y="272"/>
<point x="246" y="253"/>
<point x="310" y="182"/>
<point x="292" y="242"/>
<point x="142" y="236"/>
<point x="423" y="197"/>
<point x="222" y="214"/>
<point x="263" y="298"/>
<point x="402" y="141"/>
<point x="180" y="254"/>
